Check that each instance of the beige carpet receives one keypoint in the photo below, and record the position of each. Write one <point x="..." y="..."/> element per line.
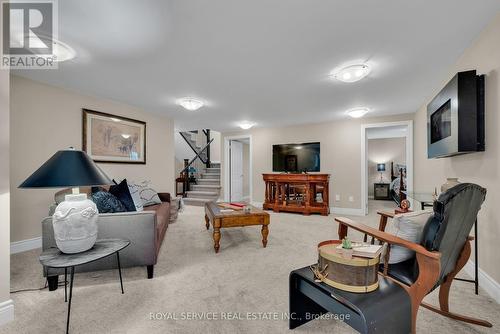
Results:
<point x="190" y="278"/>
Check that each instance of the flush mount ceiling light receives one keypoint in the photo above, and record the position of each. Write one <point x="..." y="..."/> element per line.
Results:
<point x="61" y="51"/>
<point x="357" y="112"/>
<point x="190" y="103"/>
<point x="246" y="125"/>
<point x="351" y="73"/>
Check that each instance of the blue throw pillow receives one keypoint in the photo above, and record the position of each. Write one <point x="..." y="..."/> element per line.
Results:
<point x="122" y="192"/>
<point x="106" y="202"/>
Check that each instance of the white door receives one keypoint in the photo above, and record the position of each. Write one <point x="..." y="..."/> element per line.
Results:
<point x="236" y="151"/>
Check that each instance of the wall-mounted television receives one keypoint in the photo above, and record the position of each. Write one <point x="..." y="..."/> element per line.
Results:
<point x="296" y="158"/>
<point x="455" y="117"/>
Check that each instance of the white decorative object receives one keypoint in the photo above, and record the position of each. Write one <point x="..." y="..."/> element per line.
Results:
<point x="450" y="183"/>
<point x="75" y="224"/>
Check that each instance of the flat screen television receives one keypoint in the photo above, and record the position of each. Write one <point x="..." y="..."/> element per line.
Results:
<point x="296" y="158"/>
<point x="455" y="117"/>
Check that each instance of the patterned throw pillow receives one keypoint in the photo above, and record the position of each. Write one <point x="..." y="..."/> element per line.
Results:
<point x="122" y="192"/>
<point x="106" y="202"/>
<point x="134" y="192"/>
<point x="148" y="195"/>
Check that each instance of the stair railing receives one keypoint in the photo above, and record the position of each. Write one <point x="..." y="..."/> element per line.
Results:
<point x="195" y="150"/>
<point x="184" y="173"/>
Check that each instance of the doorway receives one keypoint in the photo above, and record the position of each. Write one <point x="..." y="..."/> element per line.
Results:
<point x="237" y="169"/>
<point x="386" y="161"/>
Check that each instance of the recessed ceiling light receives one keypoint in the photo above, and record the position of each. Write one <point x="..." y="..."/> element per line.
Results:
<point x="190" y="103"/>
<point x="125" y="136"/>
<point x="246" y="125"/>
<point x="352" y="73"/>
<point x="357" y="112"/>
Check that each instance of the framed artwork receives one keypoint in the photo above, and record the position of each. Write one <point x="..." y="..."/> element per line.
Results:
<point x="113" y="139"/>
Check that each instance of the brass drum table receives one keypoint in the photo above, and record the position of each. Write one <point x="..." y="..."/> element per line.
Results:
<point x="237" y="218"/>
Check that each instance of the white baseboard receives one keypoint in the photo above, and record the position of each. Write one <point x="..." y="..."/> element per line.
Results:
<point x="486" y="282"/>
<point x="347" y="211"/>
<point x="25" y="245"/>
<point x="6" y="312"/>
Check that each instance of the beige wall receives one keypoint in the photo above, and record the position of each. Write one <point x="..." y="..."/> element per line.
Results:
<point x="340" y="154"/>
<point x="481" y="168"/>
<point x="384" y="150"/>
<point x="4" y="188"/>
<point x="45" y="119"/>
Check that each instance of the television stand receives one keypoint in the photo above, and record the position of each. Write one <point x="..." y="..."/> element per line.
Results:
<point x="301" y="193"/>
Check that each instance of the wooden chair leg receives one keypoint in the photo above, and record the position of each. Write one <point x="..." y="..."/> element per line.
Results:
<point x="444" y="292"/>
<point x="426" y="280"/>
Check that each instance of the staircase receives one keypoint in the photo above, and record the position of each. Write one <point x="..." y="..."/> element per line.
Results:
<point x="207" y="187"/>
<point x="188" y="136"/>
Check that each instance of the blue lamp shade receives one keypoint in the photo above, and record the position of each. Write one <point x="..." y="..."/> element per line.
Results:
<point x="67" y="168"/>
<point x="380" y="167"/>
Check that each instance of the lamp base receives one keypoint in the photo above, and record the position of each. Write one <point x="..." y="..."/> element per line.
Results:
<point x="75" y="224"/>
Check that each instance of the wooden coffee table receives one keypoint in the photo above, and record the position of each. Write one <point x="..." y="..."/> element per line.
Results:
<point x="236" y="218"/>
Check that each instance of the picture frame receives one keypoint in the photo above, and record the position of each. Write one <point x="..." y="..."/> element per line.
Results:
<point x="111" y="138"/>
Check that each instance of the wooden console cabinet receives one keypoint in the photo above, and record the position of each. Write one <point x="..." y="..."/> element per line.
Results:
<point x="302" y="193"/>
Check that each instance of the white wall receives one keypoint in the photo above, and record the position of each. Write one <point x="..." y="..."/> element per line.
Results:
<point x="482" y="168"/>
<point x="6" y="306"/>
<point x="215" y="147"/>
<point x="246" y="170"/>
<point x="45" y="119"/>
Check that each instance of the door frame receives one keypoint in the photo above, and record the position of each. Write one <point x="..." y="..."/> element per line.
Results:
<point x="364" y="161"/>
<point x="227" y="161"/>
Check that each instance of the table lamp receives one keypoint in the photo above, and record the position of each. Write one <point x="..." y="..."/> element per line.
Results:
<point x="75" y="219"/>
<point x="381" y="169"/>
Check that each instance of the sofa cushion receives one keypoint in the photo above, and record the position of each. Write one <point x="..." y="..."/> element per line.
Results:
<point x="106" y="202"/>
<point x="122" y="192"/>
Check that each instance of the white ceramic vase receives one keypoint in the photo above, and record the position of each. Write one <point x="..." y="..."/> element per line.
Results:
<point x="75" y="224"/>
<point x="450" y="183"/>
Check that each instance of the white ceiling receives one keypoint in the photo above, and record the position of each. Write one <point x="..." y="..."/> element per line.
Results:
<point x="265" y="61"/>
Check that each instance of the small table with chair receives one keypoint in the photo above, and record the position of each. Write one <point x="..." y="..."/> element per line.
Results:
<point x="443" y="251"/>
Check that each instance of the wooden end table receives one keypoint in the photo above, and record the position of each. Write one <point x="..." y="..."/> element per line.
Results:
<point x="235" y="218"/>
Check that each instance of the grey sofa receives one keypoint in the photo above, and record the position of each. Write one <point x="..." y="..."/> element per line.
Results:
<point x="145" y="230"/>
